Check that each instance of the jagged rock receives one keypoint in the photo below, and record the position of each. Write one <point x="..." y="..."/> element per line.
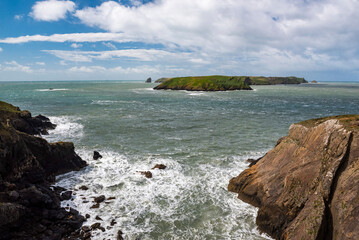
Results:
<point x="66" y="195"/>
<point x="159" y="166"/>
<point x="147" y="174"/>
<point x="98" y="218"/>
<point x="83" y="187"/>
<point x="29" y="207"/>
<point x="149" y="80"/>
<point x="95" y="226"/>
<point x="113" y="222"/>
<point x="96" y="155"/>
<point x="100" y="199"/>
<point x="306" y="187"/>
<point x="119" y="235"/>
<point x="96" y="205"/>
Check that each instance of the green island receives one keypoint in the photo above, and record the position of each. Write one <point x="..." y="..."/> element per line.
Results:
<point x="222" y="83"/>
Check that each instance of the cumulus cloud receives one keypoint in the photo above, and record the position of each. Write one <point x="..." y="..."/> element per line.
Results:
<point x="51" y="10"/>
<point x="236" y="27"/>
<point x="13" y="66"/>
<point x="270" y="35"/>
<point x="76" y="45"/>
<point x="70" y="37"/>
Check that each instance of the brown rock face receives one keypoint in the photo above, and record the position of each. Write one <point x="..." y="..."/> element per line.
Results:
<point x="307" y="186"/>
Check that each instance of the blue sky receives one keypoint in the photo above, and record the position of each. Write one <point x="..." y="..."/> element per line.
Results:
<point x="133" y="40"/>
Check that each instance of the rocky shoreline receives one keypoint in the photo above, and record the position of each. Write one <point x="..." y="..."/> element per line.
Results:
<point x="29" y="205"/>
<point x="307" y="186"/>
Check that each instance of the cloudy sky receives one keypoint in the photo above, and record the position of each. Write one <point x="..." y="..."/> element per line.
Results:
<point x="134" y="39"/>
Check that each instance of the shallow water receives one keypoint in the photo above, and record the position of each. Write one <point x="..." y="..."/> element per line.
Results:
<point x="204" y="138"/>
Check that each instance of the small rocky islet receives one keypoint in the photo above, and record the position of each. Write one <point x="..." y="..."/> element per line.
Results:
<point x="222" y="83"/>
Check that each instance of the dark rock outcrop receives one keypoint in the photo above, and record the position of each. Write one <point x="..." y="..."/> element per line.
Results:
<point x="159" y="166"/>
<point x="307" y="186"/>
<point x="96" y="155"/>
<point x="149" y="80"/>
<point x="23" y="121"/>
<point x="29" y="206"/>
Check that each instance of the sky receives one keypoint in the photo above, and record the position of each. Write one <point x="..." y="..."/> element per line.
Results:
<point x="134" y="39"/>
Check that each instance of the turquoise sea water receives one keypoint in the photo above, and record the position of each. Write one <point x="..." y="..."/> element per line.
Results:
<point x="204" y="138"/>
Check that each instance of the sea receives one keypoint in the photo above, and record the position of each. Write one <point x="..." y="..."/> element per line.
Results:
<point x="204" y="139"/>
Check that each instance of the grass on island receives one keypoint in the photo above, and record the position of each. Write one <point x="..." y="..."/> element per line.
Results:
<point x="205" y="83"/>
<point x="222" y="83"/>
<point x="276" y="80"/>
<point x="350" y="122"/>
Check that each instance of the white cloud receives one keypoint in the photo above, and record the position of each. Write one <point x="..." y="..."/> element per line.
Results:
<point x="128" y="54"/>
<point x="18" y="17"/>
<point x="70" y="37"/>
<point x="51" y="10"/>
<point x="236" y="28"/>
<point x="109" y="45"/>
<point x="0" y="49"/>
<point x="145" y="69"/>
<point x="41" y="63"/>
<point x="87" y="69"/>
<point x="13" y="66"/>
<point x="76" y="45"/>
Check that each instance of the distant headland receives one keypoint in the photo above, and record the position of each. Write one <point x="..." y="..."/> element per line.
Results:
<point x="222" y="83"/>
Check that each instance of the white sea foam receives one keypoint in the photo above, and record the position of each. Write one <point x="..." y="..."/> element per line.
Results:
<point x="103" y="102"/>
<point x="67" y="129"/>
<point x="195" y="93"/>
<point x="52" y="89"/>
<point x="166" y="197"/>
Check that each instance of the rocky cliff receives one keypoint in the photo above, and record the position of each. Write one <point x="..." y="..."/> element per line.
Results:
<point x="29" y="206"/>
<point x="307" y="186"/>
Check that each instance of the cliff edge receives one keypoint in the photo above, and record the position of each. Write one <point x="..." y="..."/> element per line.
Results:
<point x="29" y="206"/>
<point x="307" y="186"/>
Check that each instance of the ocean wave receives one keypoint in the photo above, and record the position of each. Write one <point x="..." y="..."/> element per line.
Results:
<point x="176" y="196"/>
<point x="67" y="129"/>
<point x="52" y="89"/>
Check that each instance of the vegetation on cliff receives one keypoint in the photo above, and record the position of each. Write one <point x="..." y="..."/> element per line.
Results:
<point x="306" y="187"/>
<point x="222" y="83"/>
<point x="206" y="83"/>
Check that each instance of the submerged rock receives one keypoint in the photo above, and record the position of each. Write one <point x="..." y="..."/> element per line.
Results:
<point x="159" y="166"/>
<point x="307" y="186"/>
<point x="100" y="199"/>
<point x="147" y="174"/>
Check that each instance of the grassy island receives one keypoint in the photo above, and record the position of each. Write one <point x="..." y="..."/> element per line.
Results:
<point x="206" y="83"/>
<point x="223" y="83"/>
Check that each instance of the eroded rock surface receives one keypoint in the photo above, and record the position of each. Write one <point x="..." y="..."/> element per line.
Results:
<point x="307" y="186"/>
<point x="29" y="206"/>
